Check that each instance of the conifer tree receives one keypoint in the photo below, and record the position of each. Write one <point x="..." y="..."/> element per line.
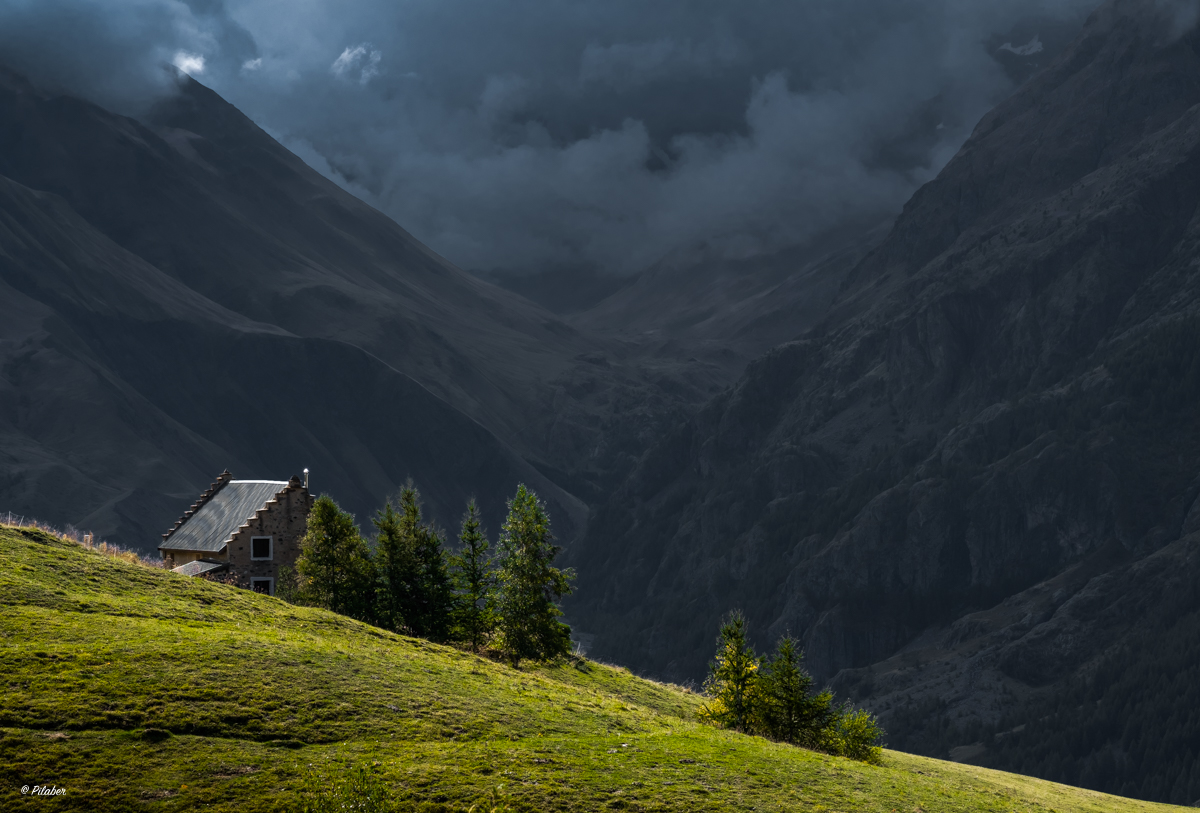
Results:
<point x="733" y="679"/>
<point x="775" y="699"/>
<point x="792" y="713"/>
<point x="334" y="569"/>
<point x="414" y="585"/>
<point x="396" y="566"/>
<point x="434" y="608"/>
<point x="473" y="579"/>
<point x="528" y="586"/>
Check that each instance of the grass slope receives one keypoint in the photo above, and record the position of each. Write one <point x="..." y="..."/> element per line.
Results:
<point x="99" y="659"/>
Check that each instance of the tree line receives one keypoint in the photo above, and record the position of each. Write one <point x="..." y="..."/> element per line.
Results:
<point x="404" y="579"/>
<point x="774" y="697"/>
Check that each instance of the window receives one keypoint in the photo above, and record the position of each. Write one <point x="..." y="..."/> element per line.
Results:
<point x="264" y="586"/>
<point x="260" y="547"/>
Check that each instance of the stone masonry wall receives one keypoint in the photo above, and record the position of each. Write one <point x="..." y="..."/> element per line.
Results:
<point x="284" y="518"/>
<point x="176" y="558"/>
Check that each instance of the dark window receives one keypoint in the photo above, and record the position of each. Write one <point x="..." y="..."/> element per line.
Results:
<point x="261" y="586"/>
<point x="260" y="547"/>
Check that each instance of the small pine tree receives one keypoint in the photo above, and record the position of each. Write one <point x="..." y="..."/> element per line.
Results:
<point x="473" y="578"/>
<point x="528" y="586"/>
<point x="335" y="570"/>
<point x="414" y="585"/>
<point x="396" y="566"/>
<point x="733" y="679"/>
<point x="435" y="596"/>
<point x="792" y="713"/>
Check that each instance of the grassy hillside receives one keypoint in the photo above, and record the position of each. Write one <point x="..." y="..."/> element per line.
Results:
<point x="133" y="688"/>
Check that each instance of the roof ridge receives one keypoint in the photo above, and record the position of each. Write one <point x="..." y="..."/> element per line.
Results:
<point x="222" y="479"/>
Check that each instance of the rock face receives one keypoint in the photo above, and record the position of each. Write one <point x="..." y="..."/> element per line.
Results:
<point x="942" y="486"/>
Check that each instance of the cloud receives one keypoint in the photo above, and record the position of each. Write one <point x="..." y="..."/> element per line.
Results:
<point x="532" y="134"/>
<point x="361" y="60"/>
<point x="120" y="55"/>
<point x="191" y="64"/>
<point x="1034" y="46"/>
<point x="637" y="63"/>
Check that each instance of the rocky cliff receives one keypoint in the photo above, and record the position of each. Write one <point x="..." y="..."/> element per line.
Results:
<point x="990" y="439"/>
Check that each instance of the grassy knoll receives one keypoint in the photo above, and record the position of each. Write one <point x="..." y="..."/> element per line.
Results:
<point x="134" y="688"/>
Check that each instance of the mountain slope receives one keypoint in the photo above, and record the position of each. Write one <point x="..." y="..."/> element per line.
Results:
<point x="124" y="387"/>
<point x="190" y="275"/>
<point x="995" y="425"/>
<point x="730" y="311"/>
<point x="208" y="198"/>
<point x="129" y="687"/>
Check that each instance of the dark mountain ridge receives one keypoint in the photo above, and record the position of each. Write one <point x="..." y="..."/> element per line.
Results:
<point x="183" y="295"/>
<point x="123" y="386"/>
<point x="987" y="442"/>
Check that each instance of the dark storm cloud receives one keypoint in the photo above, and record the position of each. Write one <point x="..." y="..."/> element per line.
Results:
<point x="520" y="135"/>
<point x="117" y="54"/>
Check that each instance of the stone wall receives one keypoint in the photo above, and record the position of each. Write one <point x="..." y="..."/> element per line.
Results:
<point x="175" y="558"/>
<point x="284" y="518"/>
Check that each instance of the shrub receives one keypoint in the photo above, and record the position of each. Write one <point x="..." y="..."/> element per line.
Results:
<point x="856" y="734"/>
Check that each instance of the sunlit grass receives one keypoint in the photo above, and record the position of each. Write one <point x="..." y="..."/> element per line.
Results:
<point x="132" y="687"/>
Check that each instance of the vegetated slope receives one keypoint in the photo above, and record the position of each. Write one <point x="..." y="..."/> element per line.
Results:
<point x="236" y="228"/>
<point x="130" y="687"/>
<point x="991" y="439"/>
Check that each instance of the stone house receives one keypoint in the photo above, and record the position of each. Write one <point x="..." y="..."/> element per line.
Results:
<point x="241" y="531"/>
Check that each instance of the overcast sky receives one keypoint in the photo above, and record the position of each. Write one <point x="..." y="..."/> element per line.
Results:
<point x="523" y="135"/>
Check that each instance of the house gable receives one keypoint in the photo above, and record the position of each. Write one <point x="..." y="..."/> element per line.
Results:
<point x="252" y="528"/>
<point x="281" y="521"/>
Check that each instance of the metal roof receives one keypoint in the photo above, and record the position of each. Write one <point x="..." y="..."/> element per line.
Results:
<point x="198" y="568"/>
<point x="210" y="528"/>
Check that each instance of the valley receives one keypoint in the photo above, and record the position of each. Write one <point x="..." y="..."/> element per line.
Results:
<point x="951" y="451"/>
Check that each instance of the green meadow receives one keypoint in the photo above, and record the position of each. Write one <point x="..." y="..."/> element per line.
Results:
<point x="132" y="688"/>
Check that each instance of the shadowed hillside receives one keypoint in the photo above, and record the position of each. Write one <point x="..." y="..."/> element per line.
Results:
<point x="989" y="441"/>
<point x="183" y="295"/>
